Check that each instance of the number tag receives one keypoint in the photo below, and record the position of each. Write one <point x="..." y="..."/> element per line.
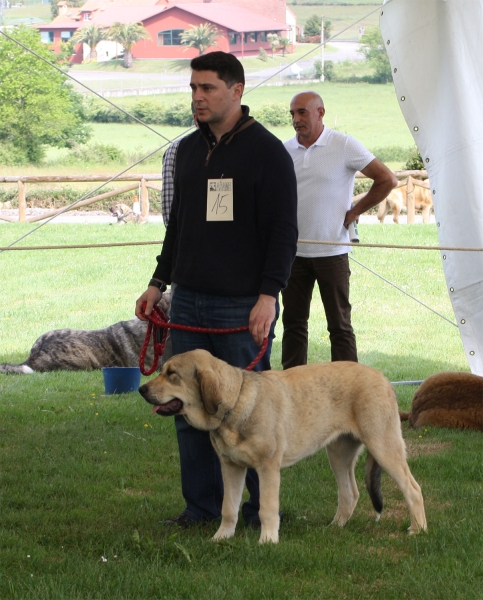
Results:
<point x="219" y="204"/>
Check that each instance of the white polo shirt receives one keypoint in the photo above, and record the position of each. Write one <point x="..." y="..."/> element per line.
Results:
<point x="325" y="181"/>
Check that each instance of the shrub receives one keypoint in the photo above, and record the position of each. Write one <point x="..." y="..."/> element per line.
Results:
<point x="11" y="156"/>
<point x="414" y="161"/>
<point x="178" y="114"/>
<point x="98" y="111"/>
<point x="273" y="113"/>
<point x="361" y="185"/>
<point x="262" y="55"/>
<point x="318" y="69"/>
<point x="94" y="153"/>
<point x="328" y="70"/>
<point x="149" y="111"/>
<point x="392" y="153"/>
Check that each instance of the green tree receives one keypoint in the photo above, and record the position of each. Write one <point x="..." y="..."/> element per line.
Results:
<point x="374" y="50"/>
<point x="313" y="24"/>
<point x="127" y="35"/>
<point x="38" y="107"/>
<point x="90" y="35"/>
<point x="283" y="44"/>
<point x="200" y="37"/>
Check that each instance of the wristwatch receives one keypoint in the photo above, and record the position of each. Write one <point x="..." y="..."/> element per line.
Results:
<point x="159" y="284"/>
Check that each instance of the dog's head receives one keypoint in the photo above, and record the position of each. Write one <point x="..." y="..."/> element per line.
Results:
<point x="120" y="210"/>
<point x="197" y="385"/>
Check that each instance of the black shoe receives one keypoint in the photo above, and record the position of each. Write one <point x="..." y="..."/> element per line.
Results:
<point x="183" y="520"/>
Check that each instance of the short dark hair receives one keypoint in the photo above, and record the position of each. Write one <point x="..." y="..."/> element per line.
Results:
<point x="228" y="68"/>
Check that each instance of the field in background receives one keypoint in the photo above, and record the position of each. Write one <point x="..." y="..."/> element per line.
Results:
<point x="348" y="17"/>
<point x="368" y="112"/>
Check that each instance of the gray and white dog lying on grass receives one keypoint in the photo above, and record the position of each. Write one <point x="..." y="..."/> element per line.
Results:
<point x="118" y="345"/>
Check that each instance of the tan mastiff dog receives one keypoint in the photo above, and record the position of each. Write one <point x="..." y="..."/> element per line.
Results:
<point x="273" y="419"/>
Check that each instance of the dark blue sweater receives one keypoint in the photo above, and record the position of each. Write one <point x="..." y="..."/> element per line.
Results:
<point x="252" y="254"/>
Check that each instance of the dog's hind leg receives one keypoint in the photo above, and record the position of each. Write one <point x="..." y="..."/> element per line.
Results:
<point x="233" y="483"/>
<point x="390" y="453"/>
<point x="343" y="453"/>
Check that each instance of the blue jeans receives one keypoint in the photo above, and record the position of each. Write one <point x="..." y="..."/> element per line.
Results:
<point x="201" y="480"/>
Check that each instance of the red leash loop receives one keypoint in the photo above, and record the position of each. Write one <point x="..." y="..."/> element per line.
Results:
<point x="157" y="320"/>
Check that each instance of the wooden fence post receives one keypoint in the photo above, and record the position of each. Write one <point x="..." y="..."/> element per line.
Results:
<point x="22" y="203"/>
<point x="144" y="199"/>
<point x="410" y="199"/>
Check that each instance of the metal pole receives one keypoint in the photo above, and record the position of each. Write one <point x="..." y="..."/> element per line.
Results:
<point x="322" y="47"/>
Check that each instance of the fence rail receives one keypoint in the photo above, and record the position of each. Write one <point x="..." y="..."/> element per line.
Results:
<point x="142" y="181"/>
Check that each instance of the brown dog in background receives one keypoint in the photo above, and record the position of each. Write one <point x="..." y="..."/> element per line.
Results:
<point x="452" y="400"/>
<point x="273" y="419"/>
<point x="124" y="214"/>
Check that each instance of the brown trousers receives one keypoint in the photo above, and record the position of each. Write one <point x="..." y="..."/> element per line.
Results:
<point x="332" y="275"/>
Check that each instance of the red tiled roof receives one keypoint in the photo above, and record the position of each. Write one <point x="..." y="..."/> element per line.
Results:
<point x="232" y="17"/>
<point x="106" y="12"/>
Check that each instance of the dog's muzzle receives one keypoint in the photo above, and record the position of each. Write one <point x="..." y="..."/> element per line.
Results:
<point x="169" y="409"/>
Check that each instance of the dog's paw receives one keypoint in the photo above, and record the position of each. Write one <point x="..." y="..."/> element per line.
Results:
<point x="268" y="537"/>
<point x="223" y="533"/>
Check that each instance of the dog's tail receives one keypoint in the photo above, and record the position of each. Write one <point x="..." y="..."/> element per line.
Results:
<point x="404" y="416"/>
<point x="373" y="483"/>
<point x="21" y="369"/>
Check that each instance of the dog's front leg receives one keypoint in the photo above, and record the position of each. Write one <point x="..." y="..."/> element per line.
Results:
<point x="233" y="483"/>
<point x="269" y="476"/>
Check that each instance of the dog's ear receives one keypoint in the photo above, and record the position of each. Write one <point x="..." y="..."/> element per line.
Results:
<point x="209" y="389"/>
<point x="219" y="384"/>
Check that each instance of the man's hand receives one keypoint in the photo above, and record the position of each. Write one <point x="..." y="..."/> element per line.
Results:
<point x="262" y="316"/>
<point x="151" y="296"/>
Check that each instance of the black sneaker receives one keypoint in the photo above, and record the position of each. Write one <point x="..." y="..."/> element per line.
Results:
<point x="183" y="520"/>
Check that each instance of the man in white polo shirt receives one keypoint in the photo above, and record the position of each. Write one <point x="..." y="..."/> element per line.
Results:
<point x="326" y="163"/>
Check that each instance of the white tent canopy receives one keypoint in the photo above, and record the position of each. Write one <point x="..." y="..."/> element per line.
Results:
<point x="435" y="48"/>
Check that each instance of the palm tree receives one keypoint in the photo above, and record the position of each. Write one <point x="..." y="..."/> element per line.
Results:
<point x="200" y="37"/>
<point x="283" y="44"/>
<point x="127" y="35"/>
<point x="90" y="35"/>
<point x="274" y="41"/>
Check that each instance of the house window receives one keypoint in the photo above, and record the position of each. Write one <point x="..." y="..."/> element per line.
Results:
<point x="66" y="35"/>
<point x="87" y="16"/>
<point x="262" y="36"/>
<point x="251" y="38"/>
<point x="171" y="37"/>
<point x="232" y="39"/>
<point x="47" y="37"/>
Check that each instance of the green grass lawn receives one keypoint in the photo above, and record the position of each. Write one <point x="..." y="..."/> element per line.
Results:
<point x="342" y="15"/>
<point x="86" y="478"/>
<point x="368" y="112"/>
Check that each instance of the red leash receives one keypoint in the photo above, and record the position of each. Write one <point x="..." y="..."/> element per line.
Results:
<point x="157" y="320"/>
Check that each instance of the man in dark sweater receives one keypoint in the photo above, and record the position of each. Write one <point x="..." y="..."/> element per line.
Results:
<point x="229" y="246"/>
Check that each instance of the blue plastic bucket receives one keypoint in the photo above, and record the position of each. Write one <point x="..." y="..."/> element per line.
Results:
<point x="121" y="380"/>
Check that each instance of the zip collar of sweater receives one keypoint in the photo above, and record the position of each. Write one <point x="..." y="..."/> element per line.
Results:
<point x="245" y="121"/>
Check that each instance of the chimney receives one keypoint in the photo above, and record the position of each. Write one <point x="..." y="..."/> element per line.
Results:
<point x="63" y="7"/>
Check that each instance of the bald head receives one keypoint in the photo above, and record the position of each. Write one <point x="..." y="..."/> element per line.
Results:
<point x="307" y="110"/>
